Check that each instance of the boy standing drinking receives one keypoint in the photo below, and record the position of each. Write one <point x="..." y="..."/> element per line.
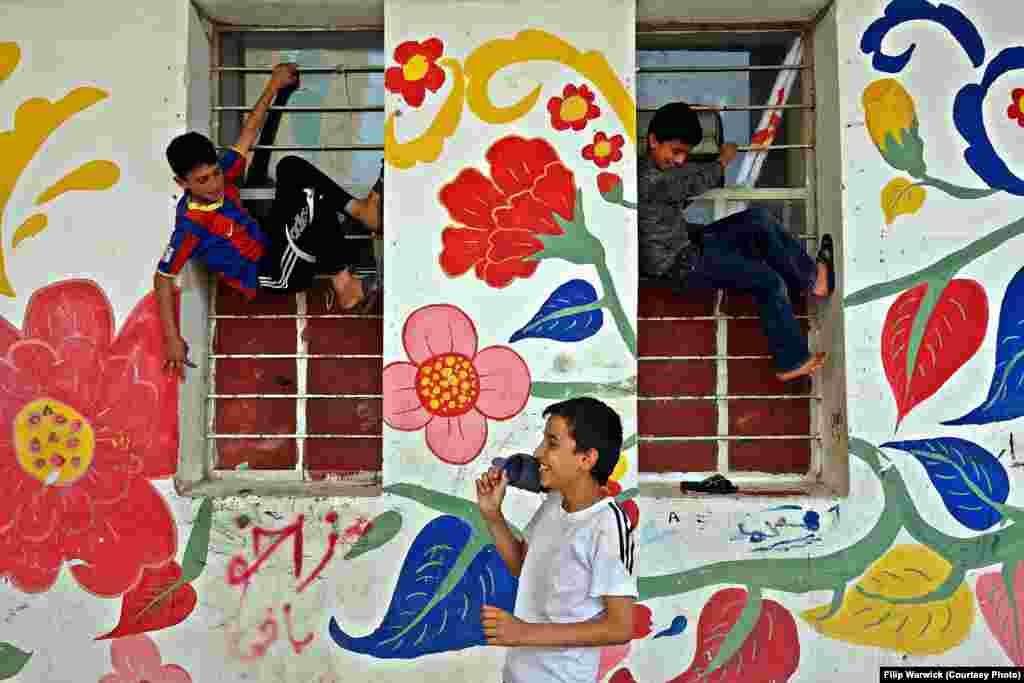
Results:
<point x="575" y="564"/>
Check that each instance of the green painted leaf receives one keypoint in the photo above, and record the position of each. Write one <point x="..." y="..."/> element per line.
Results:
<point x="194" y="560"/>
<point x="383" y="528"/>
<point x="12" y="660"/>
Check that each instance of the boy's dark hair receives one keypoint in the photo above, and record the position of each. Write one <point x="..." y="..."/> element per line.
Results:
<point x="593" y="425"/>
<point x="676" y="121"/>
<point x="188" y="151"/>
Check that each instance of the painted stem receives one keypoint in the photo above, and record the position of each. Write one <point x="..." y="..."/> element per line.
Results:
<point x="957" y="191"/>
<point x="946" y="267"/>
<point x="613" y="304"/>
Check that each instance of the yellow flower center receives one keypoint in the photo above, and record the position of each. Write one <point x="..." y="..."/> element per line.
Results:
<point x="573" y="108"/>
<point x="448" y="385"/>
<point x="416" y="68"/>
<point x="602" y="149"/>
<point x="53" y="441"/>
<point x="1020" y="103"/>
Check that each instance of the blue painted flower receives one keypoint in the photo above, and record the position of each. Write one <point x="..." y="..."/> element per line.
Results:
<point x="981" y="156"/>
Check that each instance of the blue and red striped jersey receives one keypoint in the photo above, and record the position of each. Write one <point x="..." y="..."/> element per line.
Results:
<point x="222" y="235"/>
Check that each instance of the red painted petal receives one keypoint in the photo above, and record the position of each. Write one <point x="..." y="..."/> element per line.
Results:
<point x="527" y="213"/>
<point x="588" y="152"/>
<point x="394" y="79"/>
<point x="71" y="308"/>
<point x="77" y="378"/>
<point x="75" y="509"/>
<point x="558" y="124"/>
<point x="35" y="361"/>
<point x="471" y="198"/>
<point x="432" y="49"/>
<point x="17" y="487"/>
<point x="414" y="92"/>
<point x="586" y="93"/>
<point x="593" y="112"/>
<point x="434" y="78"/>
<point x="8" y="335"/>
<point x="1017" y="93"/>
<point x="556" y="189"/>
<point x="569" y="90"/>
<point x="599" y="136"/>
<point x="517" y="162"/>
<point x="502" y="274"/>
<point x="111" y="472"/>
<point x="137" y="533"/>
<point x="606" y="182"/>
<point x="38" y="520"/>
<point x="462" y="248"/>
<point x="407" y="50"/>
<point x="513" y="244"/>
<point x="579" y="124"/>
<point x="555" y="106"/>
<point x="617" y="141"/>
<point x="602" y="162"/>
<point x="32" y="567"/>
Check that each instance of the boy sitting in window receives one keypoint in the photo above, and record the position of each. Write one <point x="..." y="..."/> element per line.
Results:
<point x="302" y="237"/>
<point x="748" y="251"/>
<point x="576" y="589"/>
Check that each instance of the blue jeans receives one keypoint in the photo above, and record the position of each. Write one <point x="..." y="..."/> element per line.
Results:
<point x="752" y="252"/>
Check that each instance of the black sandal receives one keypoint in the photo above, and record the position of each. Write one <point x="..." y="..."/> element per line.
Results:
<point x="716" y="483"/>
<point x="827" y="257"/>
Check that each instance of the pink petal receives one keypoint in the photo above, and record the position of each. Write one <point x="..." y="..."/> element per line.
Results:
<point x="457" y="440"/>
<point x="504" y="382"/>
<point x="611" y="656"/>
<point x="171" y="673"/>
<point x="135" y="655"/>
<point x="72" y="308"/>
<point x="437" y="329"/>
<point x="402" y="408"/>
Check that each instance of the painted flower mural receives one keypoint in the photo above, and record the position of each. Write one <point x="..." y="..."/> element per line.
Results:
<point x="573" y="109"/>
<point x="91" y="418"/>
<point x="417" y="70"/>
<point x="450" y="389"/>
<point x="604" y="150"/>
<point x="501" y="218"/>
<point x="892" y="123"/>
<point x="136" y="659"/>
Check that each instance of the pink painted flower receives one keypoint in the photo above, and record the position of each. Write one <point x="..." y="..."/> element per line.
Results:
<point x="448" y="387"/>
<point x="87" y="419"/>
<point x="136" y="659"/>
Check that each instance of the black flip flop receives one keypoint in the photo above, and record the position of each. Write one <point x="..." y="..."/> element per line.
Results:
<point x="827" y="257"/>
<point x="716" y="483"/>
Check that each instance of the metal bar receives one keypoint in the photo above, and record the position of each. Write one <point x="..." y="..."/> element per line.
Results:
<point x="302" y="347"/>
<point x="298" y="436"/>
<point x="717" y="69"/>
<point x="738" y="107"/>
<point x="760" y="437"/>
<point x="734" y="397"/>
<point x="293" y="396"/>
<point x="355" y="108"/>
<point x="210" y="453"/>
<point x="721" y="377"/>
<point x="308" y="355"/>
<point x="344" y="28"/>
<point x="339" y="69"/>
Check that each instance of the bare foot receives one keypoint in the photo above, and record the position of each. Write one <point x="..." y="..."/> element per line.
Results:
<point x="348" y="289"/>
<point x="812" y="365"/>
<point x="821" y="284"/>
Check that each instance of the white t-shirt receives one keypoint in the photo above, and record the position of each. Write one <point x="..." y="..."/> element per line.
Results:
<point x="572" y="560"/>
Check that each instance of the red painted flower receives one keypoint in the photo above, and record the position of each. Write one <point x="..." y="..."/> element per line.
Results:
<point x="448" y="387"/>
<point x="89" y="419"/>
<point x="501" y="216"/>
<point x="573" y="109"/>
<point x="417" y="71"/>
<point x="607" y="182"/>
<point x="604" y="150"/>
<point x="1016" y="109"/>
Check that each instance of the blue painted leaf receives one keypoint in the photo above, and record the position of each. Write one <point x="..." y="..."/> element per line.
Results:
<point x="677" y="626"/>
<point x="571" y="327"/>
<point x="454" y="622"/>
<point x="1006" y="394"/>
<point x="976" y="463"/>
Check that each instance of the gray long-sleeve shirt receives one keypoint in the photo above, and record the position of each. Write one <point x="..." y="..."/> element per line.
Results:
<point x="663" y="196"/>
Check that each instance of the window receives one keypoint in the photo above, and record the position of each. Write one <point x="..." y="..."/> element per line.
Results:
<point x="291" y="401"/>
<point x="708" y="399"/>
